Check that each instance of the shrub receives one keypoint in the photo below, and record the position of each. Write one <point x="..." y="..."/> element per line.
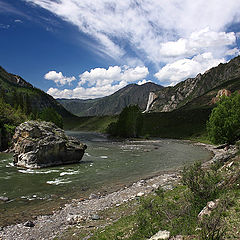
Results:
<point x="212" y="226"/>
<point x="201" y="183"/>
<point x="224" y="122"/>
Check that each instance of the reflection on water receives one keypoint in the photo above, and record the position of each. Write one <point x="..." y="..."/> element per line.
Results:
<point x="105" y="164"/>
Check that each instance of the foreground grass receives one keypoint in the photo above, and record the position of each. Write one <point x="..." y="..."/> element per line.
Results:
<point x="174" y="210"/>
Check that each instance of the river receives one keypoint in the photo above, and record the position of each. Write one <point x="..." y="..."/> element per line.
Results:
<point x="106" y="166"/>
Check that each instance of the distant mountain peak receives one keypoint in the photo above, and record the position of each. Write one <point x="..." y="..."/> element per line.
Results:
<point x="132" y="94"/>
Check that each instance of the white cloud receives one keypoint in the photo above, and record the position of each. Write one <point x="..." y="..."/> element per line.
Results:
<point x="143" y="82"/>
<point x="18" y="21"/>
<point x="182" y="69"/>
<point x="4" y="26"/>
<point x="102" y="76"/>
<point x="232" y="52"/>
<point x="198" y="42"/>
<point x="146" y="25"/>
<point x="58" y="78"/>
<point x="100" y="82"/>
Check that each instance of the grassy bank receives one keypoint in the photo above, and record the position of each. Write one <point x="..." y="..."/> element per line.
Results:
<point x="175" y="210"/>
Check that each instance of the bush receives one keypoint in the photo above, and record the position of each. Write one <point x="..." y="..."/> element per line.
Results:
<point x="224" y="122"/>
<point x="201" y="183"/>
<point x="212" y="226"/>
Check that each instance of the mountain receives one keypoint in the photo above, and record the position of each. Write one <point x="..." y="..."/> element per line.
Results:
<point x="172" y="98"/>
<point x="132" y="94"/>
<point x="19" y="93"/>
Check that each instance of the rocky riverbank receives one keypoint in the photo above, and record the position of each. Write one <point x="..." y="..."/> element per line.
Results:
<point x="47" y="227"/>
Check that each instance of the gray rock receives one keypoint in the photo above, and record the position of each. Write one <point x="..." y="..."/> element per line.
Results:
<point x="208" y="209"/>
<point x="178" y="237"/>
<point x="4" y="199"/>
<point x="43" y="144"/>
<point x="95" y="217"/>
<point x="29" y="224"/>
<point x="161" y="235"/>
<point x="93" y="196"/>
<point x="75" y="219"/>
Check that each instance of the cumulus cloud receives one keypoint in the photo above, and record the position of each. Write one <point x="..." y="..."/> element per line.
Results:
<point x="102" y="76"/>
<point x="100" y="82"/>
<point x="185" y="68"/>
<point x="198" y="42"/>
<point x="143" y="82"/>
<point x="58" y="78"/>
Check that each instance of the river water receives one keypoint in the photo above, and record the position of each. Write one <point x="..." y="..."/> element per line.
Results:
<point x="106" y="166"/>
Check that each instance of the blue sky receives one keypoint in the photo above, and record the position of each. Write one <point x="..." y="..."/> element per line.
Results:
<point x="88" y="49"/>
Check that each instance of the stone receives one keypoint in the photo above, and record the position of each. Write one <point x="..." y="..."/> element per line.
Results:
<point x="95" y="217"/>
<point x="42" y="144"/>
<point x="208" y="209"/>
<point x="178" y="237"/>
<point x="161" y="235"/>
<point x="75" y="219"/>
<point x="93" y="196"/>
<point x="140" y="194"/>
<point x="29" y="224"/>
<point x="4" y="199"/>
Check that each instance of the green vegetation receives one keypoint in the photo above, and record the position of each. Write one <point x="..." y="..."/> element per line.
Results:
<point x="94" y="124"/>
<point x="179" y="124"/>
<point x="9" y="118"/>
<point x="50" y="115"/>
<point x="128" y="124"/>
<point x="224" y="123"/>
<point x="201" y="183"/>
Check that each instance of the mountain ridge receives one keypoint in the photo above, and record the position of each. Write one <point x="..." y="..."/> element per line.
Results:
<point x="113" y="104"/>
<point x="172" y="98"/>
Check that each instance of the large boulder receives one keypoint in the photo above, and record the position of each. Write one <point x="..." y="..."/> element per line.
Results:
<point x="42" y="144"/>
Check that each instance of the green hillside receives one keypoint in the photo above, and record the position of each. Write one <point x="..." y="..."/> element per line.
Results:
<point x="20" y="101"/>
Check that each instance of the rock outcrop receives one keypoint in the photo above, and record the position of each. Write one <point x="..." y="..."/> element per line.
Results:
<point x="171" y="98"/>
<point x="43" y="144"/>
<point x="222" y="92"/>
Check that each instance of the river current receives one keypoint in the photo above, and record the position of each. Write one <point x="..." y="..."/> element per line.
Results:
<point x="107" y="165"/>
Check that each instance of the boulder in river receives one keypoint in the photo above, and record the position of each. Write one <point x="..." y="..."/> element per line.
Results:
<point x="42" y="144"/>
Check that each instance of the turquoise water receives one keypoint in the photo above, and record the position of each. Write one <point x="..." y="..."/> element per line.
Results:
<point x="106" y="165"/>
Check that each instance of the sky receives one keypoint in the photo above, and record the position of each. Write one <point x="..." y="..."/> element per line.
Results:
<point x="88" y="49"/>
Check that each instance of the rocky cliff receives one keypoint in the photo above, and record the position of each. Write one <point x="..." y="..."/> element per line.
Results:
<point x="171" y="98"/>
<point x="43" y="144"/>
<point x="132" y="94"/>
